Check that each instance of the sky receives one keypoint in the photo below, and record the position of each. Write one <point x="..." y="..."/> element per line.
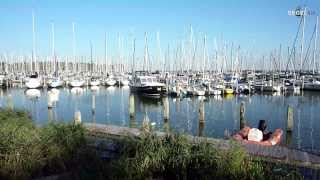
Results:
<point x="256" y="25"/>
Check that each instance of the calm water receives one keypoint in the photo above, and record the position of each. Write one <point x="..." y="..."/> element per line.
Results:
<point x="221" y="114"/>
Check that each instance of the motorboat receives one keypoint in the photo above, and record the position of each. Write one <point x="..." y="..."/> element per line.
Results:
<point x="77" y="83"/>
<point x="146" y="85"/>
<point x="94" y="82"/>
<point x="55" y="83"/>
<point x="33" y="82"/>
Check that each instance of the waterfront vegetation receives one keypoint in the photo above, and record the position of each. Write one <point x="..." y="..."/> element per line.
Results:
<point x="28" y="151"/>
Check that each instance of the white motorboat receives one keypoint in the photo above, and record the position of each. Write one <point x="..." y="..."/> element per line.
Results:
<point x="146" y="85"/>
<point x="94" y="82"/>
<point x="110" y="82"/>
<point x="55" y="83"/>
<point x="33" y="82"/>
<point x="124" y="82"/>
<point x="77" y="83"/>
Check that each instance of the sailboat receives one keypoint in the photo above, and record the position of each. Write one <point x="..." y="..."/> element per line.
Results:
<point x="93" y="81"/>
<point x="56" y="81"/>
<point x="77" y="81"/>
<point x="33" y="81"/>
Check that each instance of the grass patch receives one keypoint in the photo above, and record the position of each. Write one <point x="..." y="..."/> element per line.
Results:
<point x="173" y="157"/>
<point x="27" y="151"/>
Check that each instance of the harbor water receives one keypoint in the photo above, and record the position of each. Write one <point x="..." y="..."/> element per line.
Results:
<point x="111" y="105"/>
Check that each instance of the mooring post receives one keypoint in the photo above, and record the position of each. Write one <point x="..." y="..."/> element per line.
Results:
<point x="290" y="119"/>
<point x="165" y="101"/>
<point x="77" y="117"/>
<point x="201" y="128"/>
<point x="146" y="123"/>
<point x="131" y="106"/>
<point x="50" y="114"/>
<point x="289" y="125"/>
<point x="201" y="112"/>
<point x="50" y="100"/>
<point x="10" y="102"/>
<point x="242" y="119"/>
<point x="93" y="103"/>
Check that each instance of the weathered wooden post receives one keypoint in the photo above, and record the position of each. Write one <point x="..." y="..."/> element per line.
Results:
<point x="146" y="123"/>
<point x="77" y="117"/>
<point x="10" y="102"/>
<point x="242" y="119"/>
<point x="201" y="128"/>
<point x="50" y="114"/>
<point x="201" y="117"/>
<point x="201" y="112"/>
<point x="93" y="103"/>
<point x="166" y="110"/>
<point x="132" y="112"/>
<point x="290" y="119"/>
<point x="50" y="100"/>
<point x="131" y="106"/>
<point x="289" y="125"/>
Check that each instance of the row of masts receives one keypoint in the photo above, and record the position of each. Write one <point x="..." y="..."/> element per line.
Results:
<point x="186" y="55"/>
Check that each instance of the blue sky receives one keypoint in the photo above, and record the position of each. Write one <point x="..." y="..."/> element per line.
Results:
<point x="256" y="25"/>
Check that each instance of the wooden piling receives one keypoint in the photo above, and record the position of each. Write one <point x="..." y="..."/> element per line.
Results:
<point x="242" y="119"/>
<point x="50" y="100"/>
<point x="146" y="123"/>
<point x="77" y="117"/>
<point x="201" y="128"/>
<point x="290" y="119"/>
<point x="166" y="110"/>
<point x="50" y="114"/>
<point x="201" y="112"/>
<point x="131" y="106"/>
<point x="10" y="102"/>
<point x="93" y="103"/>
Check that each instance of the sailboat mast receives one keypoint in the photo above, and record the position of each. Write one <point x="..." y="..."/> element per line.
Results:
<point x="159" y="51"/>
<point x="73" y="46"/>
<point x="91" y="57"/>
<point x="315" y="46"/>
<point x="204" y="53"/>
<point x="133" y="55"/>
<point x="34" y="57"/>
<point x="53" y="48"/>
<point x="105" y="53"/>
<point x="302" y="41"/>
<point x="145" y="63"/>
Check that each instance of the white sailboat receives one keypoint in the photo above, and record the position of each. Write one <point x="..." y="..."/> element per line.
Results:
<point x="33" y="81"/>
<point x="55" y="82"/>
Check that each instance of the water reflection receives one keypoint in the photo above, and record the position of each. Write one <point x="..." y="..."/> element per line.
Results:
<point x="77" y="91"/>
<point x="33" y="93"/>
<point x="220" y="116"/>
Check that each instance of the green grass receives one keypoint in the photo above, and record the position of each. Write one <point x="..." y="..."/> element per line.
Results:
<point x="27" y="151"/>
<point x="173" y="157"/>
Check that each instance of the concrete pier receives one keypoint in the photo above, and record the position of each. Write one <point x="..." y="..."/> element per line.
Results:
<point x="279" y="154"/>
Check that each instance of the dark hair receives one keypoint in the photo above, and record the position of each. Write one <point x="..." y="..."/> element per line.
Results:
<point x="262" y="125"/>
